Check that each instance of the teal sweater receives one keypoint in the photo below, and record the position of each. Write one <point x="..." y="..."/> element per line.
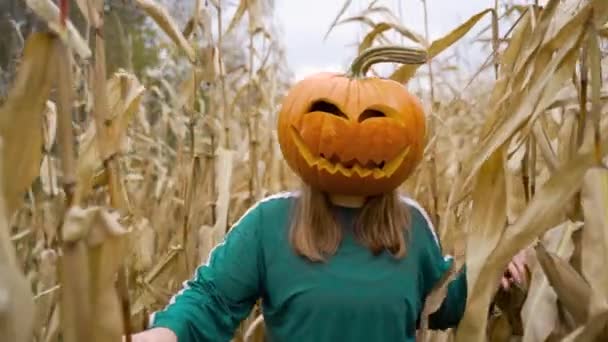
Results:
<point x="355" y="296"/>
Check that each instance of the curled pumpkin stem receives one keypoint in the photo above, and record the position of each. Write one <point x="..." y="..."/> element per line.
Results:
<point x="385" y="54"/>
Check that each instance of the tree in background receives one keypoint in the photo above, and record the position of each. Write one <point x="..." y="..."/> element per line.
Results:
<point x="129" y="37"/>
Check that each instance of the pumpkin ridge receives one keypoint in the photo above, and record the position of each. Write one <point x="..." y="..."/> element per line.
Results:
<point x="346" y="104"/>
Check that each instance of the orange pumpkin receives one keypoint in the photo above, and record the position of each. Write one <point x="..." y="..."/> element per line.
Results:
<point x="351" y="135"/>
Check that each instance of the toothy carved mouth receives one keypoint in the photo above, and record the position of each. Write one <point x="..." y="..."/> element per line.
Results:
<point x="334" y="165"/>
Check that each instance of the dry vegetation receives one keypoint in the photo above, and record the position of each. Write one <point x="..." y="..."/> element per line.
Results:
<point x="102" y="219"/>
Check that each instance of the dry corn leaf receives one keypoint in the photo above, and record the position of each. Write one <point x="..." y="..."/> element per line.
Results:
<point x="167" y="23"/>
<point x="503" y="88"/>
<point x="224" y="171"/>
<point x="45" y="297"/>
<point x="600" y="15"/>
<point x="594" y="200"/>
<point x="16" y="305"/>
<point x="17" y="310"/>
<point x="142" y="246"/>
<point x="101" y="107"/>
<point x="542" y="299"/>
<point x="76" y="310"/>
<point x="88" y="11"/>
<point x="190" y="27"/>
<point x="381" y="27"/>
<point x="516" y="64"/>
<point x="171" y="91"/>
<point x="571" y="288"/>
<point x="49" y="125"/>
<point x="530" y="48"/>
<point x="65" y="129"/>
<point x="406" y="72"/>
<point x="21" y="119"/>
<point x="48" y="176"/>
<point x="567" y="136"/>
<point x="188" y="89"/>
<point x="163" y="262"/>
<point x="52" y="329"/>
<point x="49" y="12"/>
<point x="98" y="6"/>
<point x="571" y="99"/>
<point x="550" y="198"/>
<point x="448" y="40"/>
<point x="94" y="250"/>
<point x="595" y="68"/>
<point x="604" y="31"/>
<point x="238" y="14"/>
<point x="256" y="17"/>
<point x="544" y="145"/>
<point x="50" y="186"/>
<point x="107" y="249"/>
<point x="375" y="9"/>
<point x="548" y="93"/>
<point x="593" y="330"/>
<point x="334" y="23"/>
<point x="488" y="215"/>
<point x="124" y="95"/>
<point x="485" y="227"/>
<point x="519" y="41"/>
<point x="206" y="242"/>
<point x="537" y="98"/>
<point x="274" y="174"/>
<point x="256" y="332"/>
<point x="500" y="329"/>
<point x="205" y="21"/>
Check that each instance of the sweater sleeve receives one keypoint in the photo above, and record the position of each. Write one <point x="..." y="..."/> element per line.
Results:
<point x="222" y="292"/>
<point x="452" y="309"/>
<point x="433" y="264"/>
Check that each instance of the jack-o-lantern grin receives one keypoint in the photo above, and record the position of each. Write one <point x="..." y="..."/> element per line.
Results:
<point x="333" y="164"/>
<point x="349" y="164"/>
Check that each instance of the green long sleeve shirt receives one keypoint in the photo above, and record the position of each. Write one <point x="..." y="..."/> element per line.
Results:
<point x="354" y="296"/>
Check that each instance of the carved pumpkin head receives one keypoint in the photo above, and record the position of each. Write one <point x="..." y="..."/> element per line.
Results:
<point x="349" y="135"/>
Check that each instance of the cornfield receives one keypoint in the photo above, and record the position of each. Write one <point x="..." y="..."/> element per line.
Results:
<point x="116" y="185"/>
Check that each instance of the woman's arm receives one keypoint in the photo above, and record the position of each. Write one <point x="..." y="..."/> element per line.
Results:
<point x="452" y="309"/>
<point x="222" y="292"/>
<point x="432" y="266"/>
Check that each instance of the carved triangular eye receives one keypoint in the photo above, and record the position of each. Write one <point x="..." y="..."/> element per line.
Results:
<point x="326" y="107"/>
<point x="371" y="113"/>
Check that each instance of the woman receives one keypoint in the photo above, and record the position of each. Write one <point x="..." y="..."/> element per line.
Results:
<point x="346" y="258"/>
<point x="361" y="278"/>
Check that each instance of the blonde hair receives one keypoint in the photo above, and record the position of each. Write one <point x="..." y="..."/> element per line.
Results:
<point x="382" y="224"/>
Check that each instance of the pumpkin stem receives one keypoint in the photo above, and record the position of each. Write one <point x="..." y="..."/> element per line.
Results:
<point x="385" y="54"/>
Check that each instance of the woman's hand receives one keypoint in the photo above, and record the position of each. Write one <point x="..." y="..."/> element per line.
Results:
<point x="516" y="271"/>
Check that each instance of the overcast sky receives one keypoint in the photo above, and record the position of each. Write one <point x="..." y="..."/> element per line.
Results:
<point x="304" y="23"/>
